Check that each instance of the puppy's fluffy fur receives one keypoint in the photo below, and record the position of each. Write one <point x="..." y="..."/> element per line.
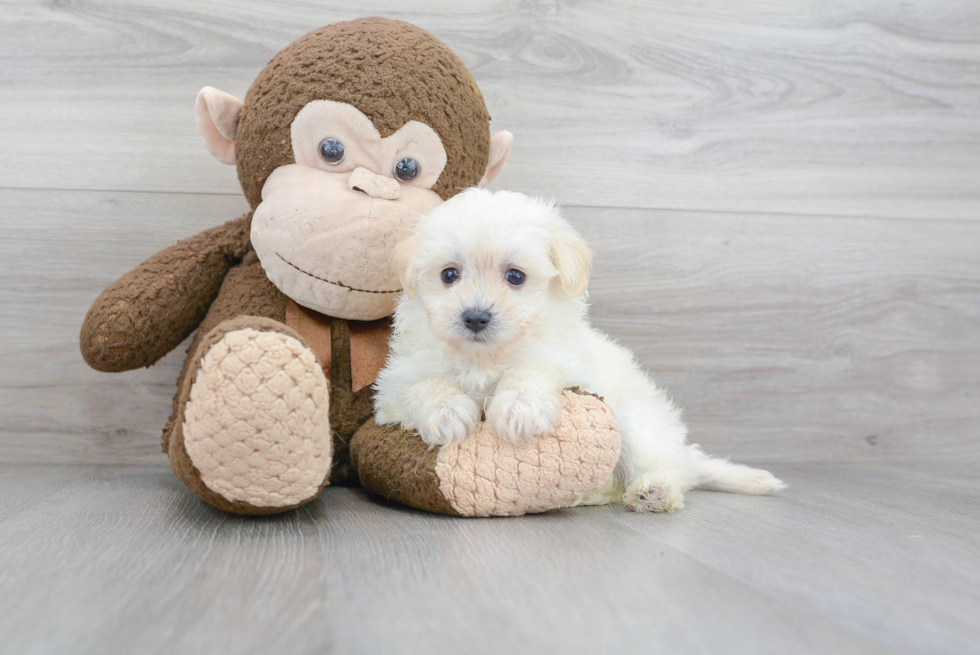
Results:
<point x="537" y="341"/>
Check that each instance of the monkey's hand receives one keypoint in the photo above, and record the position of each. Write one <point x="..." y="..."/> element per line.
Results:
<point x="147" y="312"/>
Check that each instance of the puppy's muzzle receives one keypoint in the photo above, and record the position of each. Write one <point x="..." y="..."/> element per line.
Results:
<point x="475" y="320"/>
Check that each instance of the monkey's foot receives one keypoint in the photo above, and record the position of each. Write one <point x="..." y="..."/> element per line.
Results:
<point x="487" y="476"/>
<point x="255" y="435"/>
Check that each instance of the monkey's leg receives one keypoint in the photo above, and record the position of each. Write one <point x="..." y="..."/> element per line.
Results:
<point x="485" y="476"/>
<point x="252" y="433"/>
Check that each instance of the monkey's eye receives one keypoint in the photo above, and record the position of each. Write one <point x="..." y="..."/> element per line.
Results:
<point x="332" y="151"/>
<point x="407" y="169"/>
<point x="515" y="277"/>
<point x="450" y="275"/>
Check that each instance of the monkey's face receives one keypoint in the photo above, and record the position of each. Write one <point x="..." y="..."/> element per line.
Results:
<point x="327" y="224"/>
<point x="346" y="137"/>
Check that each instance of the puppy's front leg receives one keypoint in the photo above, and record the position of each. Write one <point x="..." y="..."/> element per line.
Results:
<point x="526" y="404"/>
<point x="442" y="414"/>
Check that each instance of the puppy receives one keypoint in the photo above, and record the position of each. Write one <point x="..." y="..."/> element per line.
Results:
<point x="494" y="319"/>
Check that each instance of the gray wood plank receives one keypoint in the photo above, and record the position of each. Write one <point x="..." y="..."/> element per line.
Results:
<point x="23" y="486"/>
<point x="61" y="249"/>
<point x="849" y="559"/>
<point x="790" y="338"/>
<point x="785" y="338"/>
<point x="712" y="154"/>
<point x="795" y="108"/>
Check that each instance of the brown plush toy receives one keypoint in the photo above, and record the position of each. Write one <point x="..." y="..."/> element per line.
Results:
<point x="345" y="137"/>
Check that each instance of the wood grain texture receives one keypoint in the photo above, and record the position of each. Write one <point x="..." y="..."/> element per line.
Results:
<point x="808" y="107"/>
<point x="791" y="338"/>
<point x="784" y="201"/>
<point x="850" y="559"/>
<point x="61" y="251"/>
<point x="785" y="338"/>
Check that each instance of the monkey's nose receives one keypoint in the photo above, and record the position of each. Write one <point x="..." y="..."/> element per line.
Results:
<point x="376" y="186"/>
<point x="475" y="321"/>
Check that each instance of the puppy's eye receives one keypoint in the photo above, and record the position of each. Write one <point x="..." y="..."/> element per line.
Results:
<point x="515" y="277"/>
<point x="450" y="275"/>
<point x="332" y="151"/>
<point x="407" y="169"/>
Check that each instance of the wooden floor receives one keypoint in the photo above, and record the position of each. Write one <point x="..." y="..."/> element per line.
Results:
<point x="785" y="202"/>
<point x="855" y="558"/>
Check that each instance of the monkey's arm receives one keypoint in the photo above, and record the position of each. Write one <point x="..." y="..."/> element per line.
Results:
<point x="147" y="312"/>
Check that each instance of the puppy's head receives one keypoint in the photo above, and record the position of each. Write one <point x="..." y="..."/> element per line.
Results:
<point x="485" y="266"/>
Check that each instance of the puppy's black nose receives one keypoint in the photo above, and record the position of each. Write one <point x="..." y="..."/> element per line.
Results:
<point x="476" y="321"/>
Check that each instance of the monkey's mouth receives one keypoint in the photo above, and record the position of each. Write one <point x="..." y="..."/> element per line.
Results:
<point x="335" y="283"/>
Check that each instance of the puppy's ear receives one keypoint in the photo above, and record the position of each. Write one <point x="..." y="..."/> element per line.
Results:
<point x="405" y="266"/>
<point x="572" y="257"/>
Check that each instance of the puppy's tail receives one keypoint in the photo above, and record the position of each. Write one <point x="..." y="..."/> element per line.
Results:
<point x="721" y="475"/>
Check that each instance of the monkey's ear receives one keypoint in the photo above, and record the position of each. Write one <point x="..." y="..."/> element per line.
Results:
<point x="216" y="115"/>
<point x="572" y="257"/>
<point x="500" y="144"/>
<point x="408" y="271"/>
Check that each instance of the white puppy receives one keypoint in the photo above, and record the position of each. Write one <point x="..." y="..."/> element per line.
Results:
<point x="494" y="318"/>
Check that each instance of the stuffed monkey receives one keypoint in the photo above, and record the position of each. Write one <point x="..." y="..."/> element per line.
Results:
<point x="343" y="140"/>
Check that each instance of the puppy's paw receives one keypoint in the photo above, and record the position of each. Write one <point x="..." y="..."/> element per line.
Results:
<point x="654" y="492"/>
<point x="449" y="421"/>
<point x="516" y="416"/>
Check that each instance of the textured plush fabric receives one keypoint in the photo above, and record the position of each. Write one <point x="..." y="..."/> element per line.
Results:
<point x="399" y="466"/>
<point x="374" y="185"/>
<point x="216" y="116"/>
<point x="245" y="291"/>
<point x="368" y="148"/>
<point x="485" y="476"/>
<point x="150" y="310"/>
<point x="351" y="354"/>
<point x="314" y="327"/>
<point x="180" y="461"/>
<point x="328" y="247"/>
<point x="368" y="342"/>
<point x="349" y="410"/>
<point x="255" y="425"/>
<point x="368" y="350"/>
<point x="392" y="71"/>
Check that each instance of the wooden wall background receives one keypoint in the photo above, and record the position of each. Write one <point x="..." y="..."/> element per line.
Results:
<point x="783" y="197"/>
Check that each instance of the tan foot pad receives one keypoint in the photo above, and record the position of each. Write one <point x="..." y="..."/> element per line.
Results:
<point x="484" y="476"/>
<point x="256" y="426"/>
